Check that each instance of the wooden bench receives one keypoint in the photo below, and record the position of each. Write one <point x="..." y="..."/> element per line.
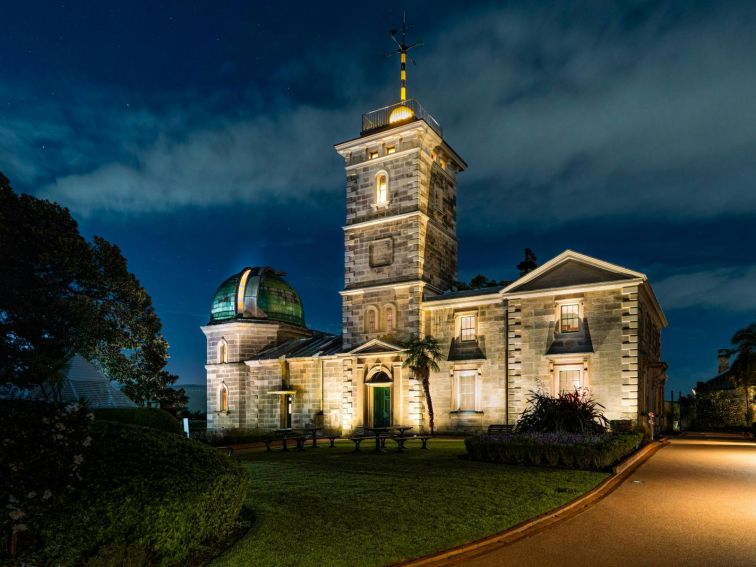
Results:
<point x="500" y="428"/>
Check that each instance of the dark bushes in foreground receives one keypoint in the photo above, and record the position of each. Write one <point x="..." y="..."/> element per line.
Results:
<point x="146" y="498"/>
<point x="568" y="450"/>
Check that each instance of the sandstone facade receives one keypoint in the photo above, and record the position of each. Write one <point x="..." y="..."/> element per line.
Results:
<point x="575" y="321"/>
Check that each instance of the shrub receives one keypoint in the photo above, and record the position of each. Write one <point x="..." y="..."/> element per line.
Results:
<point x="150" y="498"/>
<point x="144" y="417"/>
<point x="572" y="412"/>
<point x="569" y="450"/>
<point x="232" y="436"/>
<point x="43" y="450"/>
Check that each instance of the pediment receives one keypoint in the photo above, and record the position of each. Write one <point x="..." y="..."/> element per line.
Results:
<point x="571" y="269"/>
<point x="376" y="346"/>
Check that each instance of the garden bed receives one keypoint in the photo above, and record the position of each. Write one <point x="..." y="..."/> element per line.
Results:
<point x="564" y="450"/>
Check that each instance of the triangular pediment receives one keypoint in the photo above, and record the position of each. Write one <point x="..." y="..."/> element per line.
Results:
<point x="571" y="269"/>
<point x="375" y="346"/>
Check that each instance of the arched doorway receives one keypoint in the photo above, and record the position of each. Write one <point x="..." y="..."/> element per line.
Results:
<point x="379" y="399"/>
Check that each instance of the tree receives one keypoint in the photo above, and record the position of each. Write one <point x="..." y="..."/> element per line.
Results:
<point x="744" y="366"/>
<point x="422" y="358"/>
<point x="60" y="295"/>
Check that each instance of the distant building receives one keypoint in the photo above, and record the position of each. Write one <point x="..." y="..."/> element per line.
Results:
<point x="574" y="322"/>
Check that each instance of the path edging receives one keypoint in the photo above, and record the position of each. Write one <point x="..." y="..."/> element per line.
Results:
<point x="526" y="528"/>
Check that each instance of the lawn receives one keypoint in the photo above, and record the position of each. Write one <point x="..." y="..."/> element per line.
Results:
<point x="337" y="507"/>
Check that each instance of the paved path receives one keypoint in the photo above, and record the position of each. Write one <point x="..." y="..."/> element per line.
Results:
<point x="693" y="503"/>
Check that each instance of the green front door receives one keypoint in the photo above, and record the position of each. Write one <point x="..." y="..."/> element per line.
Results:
<point x="381" y="406"/>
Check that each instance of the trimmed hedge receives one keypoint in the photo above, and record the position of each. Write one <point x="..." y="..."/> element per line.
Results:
<point x="590" y="452"/>
<point x="149" y="498"/>
<point x="144" y="417"/>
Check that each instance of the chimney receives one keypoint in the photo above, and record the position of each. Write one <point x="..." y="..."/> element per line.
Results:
<point x="724" y="359"/>
<point x="528" y="264"/>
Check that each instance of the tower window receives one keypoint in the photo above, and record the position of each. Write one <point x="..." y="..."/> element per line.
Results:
<point x="381" y="189"/>
<point x="373" y="154"/>
<point x="223" y="398"/>
<point x="442" y="163"/>
<point x="222" y="351"/>
<point x="390" y="318"/>
<point x="390" y="150"/>
<point x="371" y="320"/>
<point x="569" y="319"/>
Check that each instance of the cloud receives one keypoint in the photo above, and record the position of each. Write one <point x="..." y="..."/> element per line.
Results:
<point x="563" y="115"/>
<point x="733" y="289"/>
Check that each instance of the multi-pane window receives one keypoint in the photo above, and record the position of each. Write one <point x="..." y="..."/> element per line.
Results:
<point x="389" y="318"/>
<point x="371" y="323"/>
<point x="466" y="392"/>
<point x="467" y="328"/>
<point x="569" y="318"/>
<point x="381" y="189"/>
<point x="373" y="155"/>
<point x="390" y="150"/>
<point x="570" y="380"/>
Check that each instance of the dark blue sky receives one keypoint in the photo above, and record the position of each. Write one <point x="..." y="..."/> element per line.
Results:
<point x="198" y="137"/>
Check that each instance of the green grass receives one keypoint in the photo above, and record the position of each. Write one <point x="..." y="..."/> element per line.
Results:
<point x="337" y="507"/>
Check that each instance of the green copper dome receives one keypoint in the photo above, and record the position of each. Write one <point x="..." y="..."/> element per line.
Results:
<point x="257" y="293"/>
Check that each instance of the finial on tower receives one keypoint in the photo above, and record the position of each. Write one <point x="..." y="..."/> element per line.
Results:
<point x="402" y="50"/>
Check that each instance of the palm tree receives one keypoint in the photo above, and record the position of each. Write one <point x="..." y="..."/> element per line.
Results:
<point x="744" y="367"/>
<point x="422" y="357"/>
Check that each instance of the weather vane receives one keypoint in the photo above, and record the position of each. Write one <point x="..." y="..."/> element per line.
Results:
<point x="402" y="50"/>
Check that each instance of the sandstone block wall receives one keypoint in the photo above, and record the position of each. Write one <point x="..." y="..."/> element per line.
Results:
<point x="612" y="368"/>
<point x="491" y="369"/>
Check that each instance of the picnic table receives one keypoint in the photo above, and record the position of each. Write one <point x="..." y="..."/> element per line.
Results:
<point x="380" y="442"/>
<point x="312" y="430"/>
<point x="285" y="432"/>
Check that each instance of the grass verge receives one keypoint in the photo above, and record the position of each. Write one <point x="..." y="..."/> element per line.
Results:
<point x="337" y="507"/>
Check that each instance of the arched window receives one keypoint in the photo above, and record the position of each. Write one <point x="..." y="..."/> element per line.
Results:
<point x="381" y="188"/>
<point x="222" y="351"/>
<point x="223" y="398"/>
<point x="390" y="317"/>
<point x="371" y="320"/>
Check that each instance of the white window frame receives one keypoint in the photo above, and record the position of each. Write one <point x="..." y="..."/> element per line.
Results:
<point x="381" y="198"/>
<point x="456" y="397"/>
<point x="459" y="318"/>
<point x="581" y="313"/>
<point x="559" y="368"/>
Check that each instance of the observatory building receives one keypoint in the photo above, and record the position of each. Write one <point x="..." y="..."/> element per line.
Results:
<point x="572" y="322"/>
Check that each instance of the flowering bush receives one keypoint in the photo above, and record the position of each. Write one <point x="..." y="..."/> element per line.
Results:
<point x="44" y="448"/>
<point x="574" y="412"/>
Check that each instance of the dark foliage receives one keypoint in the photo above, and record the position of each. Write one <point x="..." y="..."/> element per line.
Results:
<point x="43" y="450"/>
<point x="60" y="295"/>
<point x="144" y="417"/>
<point x="568" y="450"/>
<point x="571" y="412"/>
<point x="147" y="498"/>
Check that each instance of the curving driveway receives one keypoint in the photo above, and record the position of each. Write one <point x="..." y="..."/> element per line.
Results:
<point x="693" y="503"/>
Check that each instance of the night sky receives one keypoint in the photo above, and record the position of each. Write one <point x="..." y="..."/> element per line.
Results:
<point x="199" y="138"/>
